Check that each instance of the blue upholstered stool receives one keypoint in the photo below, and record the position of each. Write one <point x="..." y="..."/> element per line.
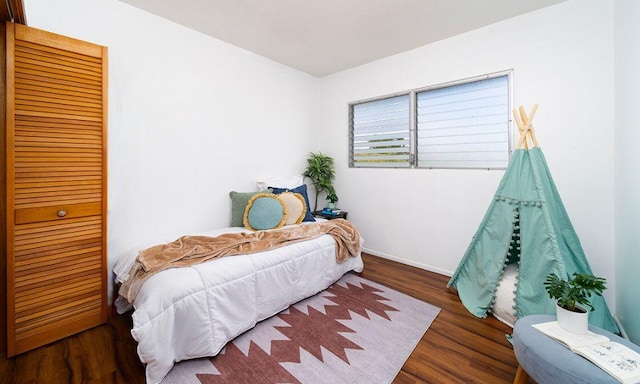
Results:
<point x="549" y="362"/>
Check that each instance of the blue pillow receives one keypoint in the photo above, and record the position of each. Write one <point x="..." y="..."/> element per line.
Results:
<point x="264" y="211"/>
<point x="301" y="190"/>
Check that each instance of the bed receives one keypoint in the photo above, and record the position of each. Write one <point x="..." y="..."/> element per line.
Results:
<point x="191" y="312"/>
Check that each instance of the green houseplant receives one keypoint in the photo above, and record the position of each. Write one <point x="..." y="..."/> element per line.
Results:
<point x="572" y="298"/>
<point x="332" y="198"/>
<point x="572" y="292"/>
<point x="321" y="171"/>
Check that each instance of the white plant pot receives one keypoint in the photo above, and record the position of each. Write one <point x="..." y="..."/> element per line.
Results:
<point x="576" y="322"/>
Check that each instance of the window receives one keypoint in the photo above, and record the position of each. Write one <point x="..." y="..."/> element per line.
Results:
<point x="458" y="125"/>
<point x="381" y="132"/>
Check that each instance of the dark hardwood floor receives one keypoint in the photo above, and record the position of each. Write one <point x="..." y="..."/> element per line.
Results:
<point x="457" y="348"/>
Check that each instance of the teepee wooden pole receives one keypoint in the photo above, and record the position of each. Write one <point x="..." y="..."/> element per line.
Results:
<point x="521" y="129"/>
<point x="525" y="126"/>
<point x="532" y="131"/>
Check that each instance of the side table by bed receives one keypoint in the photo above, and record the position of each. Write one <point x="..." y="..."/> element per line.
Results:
<point x="341" y="215"/>
<point x="547" y="361"/>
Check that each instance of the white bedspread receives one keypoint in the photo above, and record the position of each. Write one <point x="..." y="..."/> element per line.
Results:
<point x="186" y="313"/>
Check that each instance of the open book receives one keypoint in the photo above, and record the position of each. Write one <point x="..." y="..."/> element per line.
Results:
<point x="616" y="359"/>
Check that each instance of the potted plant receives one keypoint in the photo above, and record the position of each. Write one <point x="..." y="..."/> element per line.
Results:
<point x="572" y="298"/>
<point x="321" y="171"/>
<point x="332" y="198"/>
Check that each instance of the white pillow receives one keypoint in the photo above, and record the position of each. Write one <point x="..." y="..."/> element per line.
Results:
<point x="281" y="182"/>
<point x="505" y="296"/>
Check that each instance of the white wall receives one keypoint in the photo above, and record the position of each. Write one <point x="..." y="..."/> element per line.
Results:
<point x="190" y="119"/>
<point x="627" y="159"/>
<point x="562" y="57"/>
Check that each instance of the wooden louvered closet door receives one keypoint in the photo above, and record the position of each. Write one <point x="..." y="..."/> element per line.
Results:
<point x="55" y="186"/>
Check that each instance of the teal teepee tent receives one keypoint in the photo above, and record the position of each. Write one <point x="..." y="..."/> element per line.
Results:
<point x="526" y="223"/>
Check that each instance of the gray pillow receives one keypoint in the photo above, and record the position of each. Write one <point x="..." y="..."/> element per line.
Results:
<point x="239" y="201"/>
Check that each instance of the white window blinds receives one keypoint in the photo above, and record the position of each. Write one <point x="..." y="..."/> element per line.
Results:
<point x="464" y="125"/>
<point x="380" y="133"/>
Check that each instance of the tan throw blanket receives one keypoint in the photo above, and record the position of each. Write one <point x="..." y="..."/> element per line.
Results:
<point x="191" y="250"/>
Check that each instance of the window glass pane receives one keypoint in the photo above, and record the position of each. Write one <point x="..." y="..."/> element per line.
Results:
<point x="380" y="133"/>
<point x="464" y="125"/>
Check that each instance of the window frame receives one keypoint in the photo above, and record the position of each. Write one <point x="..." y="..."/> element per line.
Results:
<point x="413" y="123"/>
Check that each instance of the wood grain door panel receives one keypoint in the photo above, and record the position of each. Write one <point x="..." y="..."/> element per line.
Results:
<point x="56" y="187"/>
<point x="56" y="212"/>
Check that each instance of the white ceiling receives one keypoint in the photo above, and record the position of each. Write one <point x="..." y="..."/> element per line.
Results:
<point x="322" y="37"/>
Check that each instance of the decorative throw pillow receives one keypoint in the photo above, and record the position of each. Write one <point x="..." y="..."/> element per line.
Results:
<point x="281" y="182"/>
<point x="239" y="201"/>
<point x="302" y="189"/>
<point x="296" y="207"/>
<point x="264" y="211"/>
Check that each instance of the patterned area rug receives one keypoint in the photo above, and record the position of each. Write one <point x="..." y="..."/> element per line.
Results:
<point x="356" y="331"/>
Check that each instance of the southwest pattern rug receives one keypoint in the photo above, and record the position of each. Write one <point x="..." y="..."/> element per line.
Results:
<point x="355" y="331"/>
